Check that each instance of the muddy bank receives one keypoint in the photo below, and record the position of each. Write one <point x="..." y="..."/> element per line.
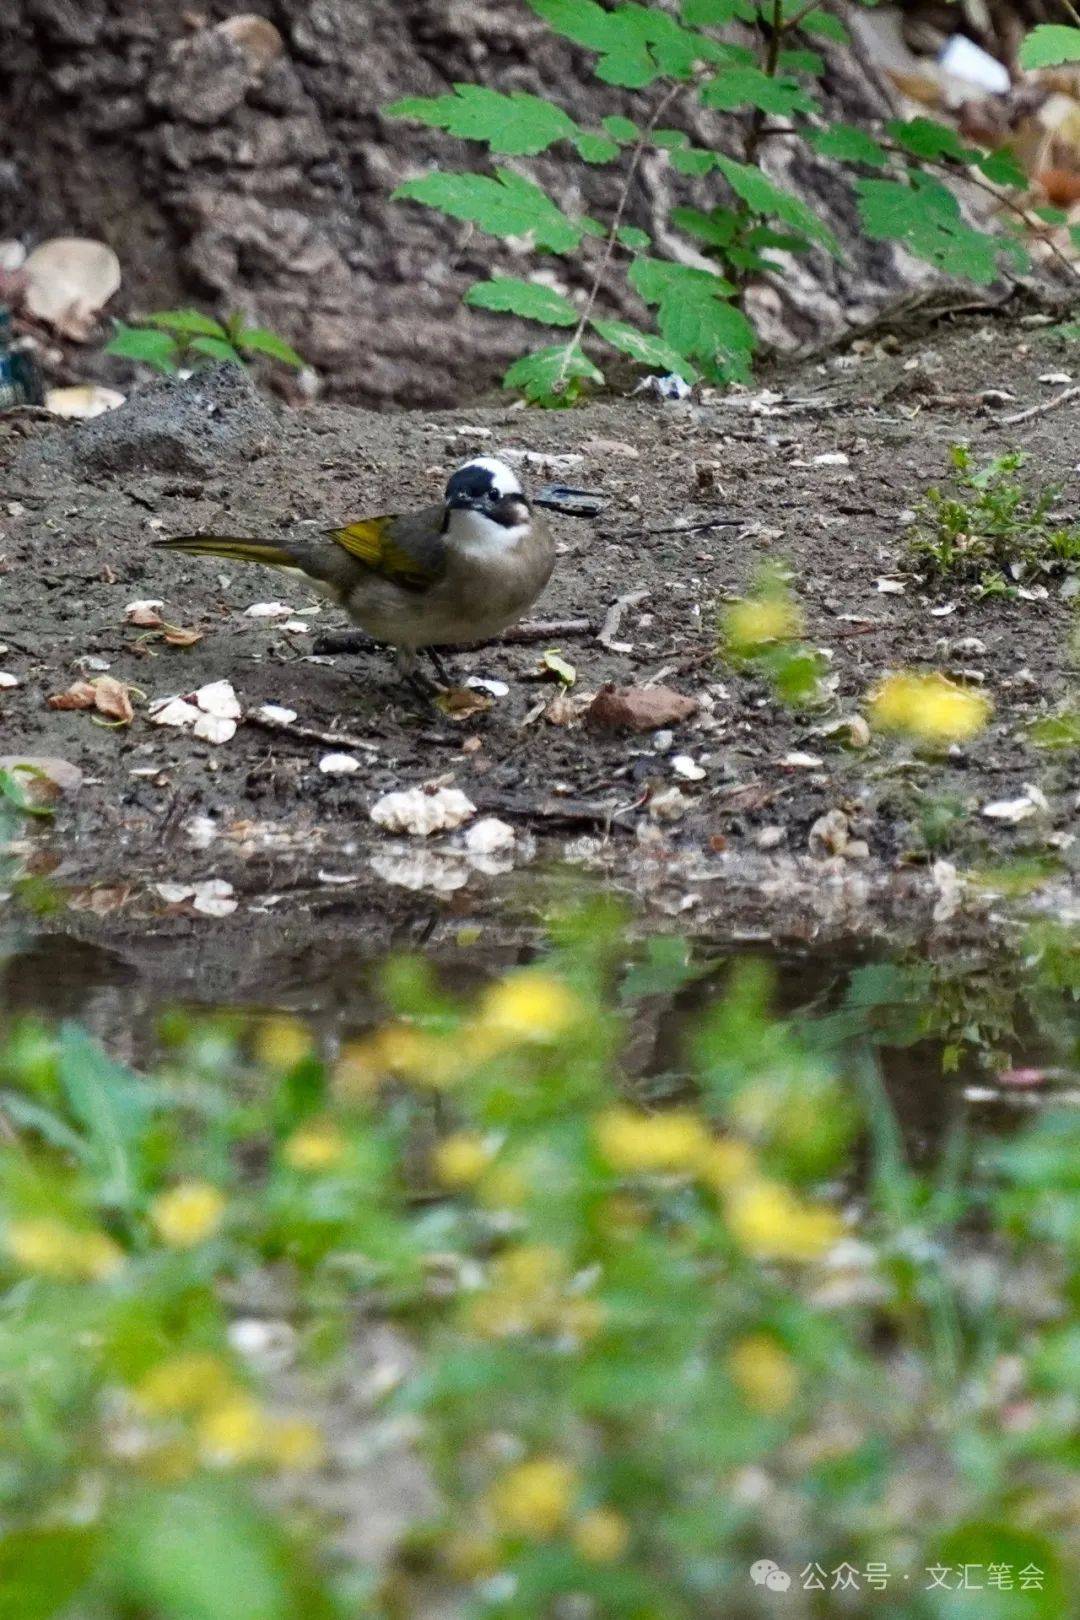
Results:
<point x="819" y="473"/>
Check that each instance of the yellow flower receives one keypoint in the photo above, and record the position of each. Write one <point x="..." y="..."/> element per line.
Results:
<point x="318" y="1145"/>
<point x="534" y="1498"/>
<point x="726" y="1162"/>
<point x="293" y="1443"/>
<point x="504" y="1186"/>
<point x="188" y="1214"/>
<point x="418" y="1055"/>
<point x="764" y="1375"/>
<point x="358" y="1072"/>
<point x="282" y="1043"/>
<point x="631" y="1141"/>
<point x="189" y="1382"/>
<point x="770" y="1222"/>
<point x="529" y="1006"/>
<point x="528" y="1268"/>
<point x="460" y="1160"/>
<point x="470" y="1556"/>
<point x="601" y="1536"/>
<point x="52" y="1248"/>
<point x="756" y="620"/>
<point x="232" y="1432"/>
<point x="929" y="708"/>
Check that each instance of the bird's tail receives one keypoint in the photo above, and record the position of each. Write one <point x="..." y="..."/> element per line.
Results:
<point x="237" y="550"/>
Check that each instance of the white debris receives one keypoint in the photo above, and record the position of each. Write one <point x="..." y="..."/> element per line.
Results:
<point x="173" y="893"/>
<point x="7" y="679"/>
<point x="495" y="689"/>
<point x="1055" y="377"/>
<point x="1011" y="810"/>
<point x="832" y="458"/>
<point x="270" y="1346"/>
<point x="83" y="401"/>
<point x="68" y="280"/>
<point x="339" y="764"/>
<point x="201" y="831"/>
<point x="297" y="627"/>
<point x="830" y="835"/>
<point x="214" y="898"/>
<point x="948" y="888"/>
<point x="220" y="700"/>
<point x="550" y="460"/>
<point x="214" y="728"/>
<point x="770" y="837"/>
<point x="489" y="837"/>
<point x="671" y="804"/>
<point x="667" y="388"/>
<point x="424" y="869"/>
<point x="963" y="59"/>
<point x="802" y="762"/>
<point x="890" y="587"/>
<point x="415" y="811"/>
<point x="268" y="610"/>
<point x="943" y="612"/>
<point x="276" y="714"/>
<point x="687" y="768"/>
<point x="150" y="605"/>
<point x="173" y="711"/>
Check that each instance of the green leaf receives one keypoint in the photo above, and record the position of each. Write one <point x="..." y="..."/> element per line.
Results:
<point x="217" y="349"/>
<point x="760" y="194"/>
<point x="658" y="281"/>
<point x="143" y="343"/>
<point x="750" y="87"/>
<point x="637" y="44"/>
<point x="801" y="62"/>
<point x="717" y="228"/>
<point x="13" y="787"/>
<point x="525" y="298"/>
<point x="43" y="1569"/>
<point x="1049" y="45"/>
<point x="926" y="138"/>
<point x="518" y="124"/>
<point x="926" y="218"/>
<point x="1003" y="168"/>
<point x="595" y="148"/>
<point x="187" y="321"/>
<point x="669" y="139"/>
<point x="717" y="13"/>
<point x="847" y="143"/>
<point x="506" y="206"/>
<point x="825" y="26"/>
<point x="695" y="316"/>
<point x="630" y="236"/>
<point x="109" y="1104"/>
<point x="549" y="376"/>
<point x="646" y="348"/>
<point x="621" y="129"/>
<point x="694" y="160"/>
<point x="1051" y="216"/>
<point x="261" y="341"/>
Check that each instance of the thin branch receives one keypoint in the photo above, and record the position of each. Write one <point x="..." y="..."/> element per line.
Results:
<point x="769" y="67"/>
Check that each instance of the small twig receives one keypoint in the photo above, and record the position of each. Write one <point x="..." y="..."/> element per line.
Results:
<point x="1041" y="410"/>
<point x="543" y="630"/>
<point x="289" y="728"/>
<point x="614" y="616"/>
<point x="689" y="528"/>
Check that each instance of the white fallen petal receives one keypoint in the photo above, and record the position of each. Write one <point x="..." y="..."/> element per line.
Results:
<point x="150" y="605"/>
<point x="413" y="811"/>
<point x="424" y="869"/>
<point x="218" y="698"/>
<point x="339" y="764"/>
<point x="214" y="728"/>
<point x="7" y="679"/>
<point x="275" y="713"/>
<point x="832" y="458"/>
<point x="173" y="893"/>
<point x="495" y="689"/>
<point x="268" y="610"/>
<point x="173" y="712"/>
<point x="802" y="762"/>
<point x="1011" y="810"/>
<point x="943" y="612"/>
<point x="687" y="768"/>
<point x="891" y="587"/>
<point x="1037" y="797"/>
<point x="489" y="836"/>
<point x="297" y="627"/>
<point x="214" y="898"/>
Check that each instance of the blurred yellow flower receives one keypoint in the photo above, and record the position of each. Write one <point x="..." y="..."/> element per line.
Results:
<point x="188" y="1214"/>
<point x="764" y="1374"/>
<point x="189" y="1382"/>
<point x="461" y="1159"/>
<point x="528" y="1006"/>
<point x="358" y="1072"/>
<point x="318" y="1145"/>
<point x="601" y="1536"/>
<point x="534" y="1498"/>
<point x="471" y="1556"/>
<point x="528" y="1268"/>
<point x="52" y="1248"/>
<point x="756" y="620"/>
<point x="293" y="1443"/>
<point x="929" y="708"/>
<point x="418" y="1055"/>
<point x="282" y="1042"/>
<point x="170" y="1463"/>
<point x="769" y="1221"/>
<point x="631" y="1141"/>
<point x="725" y="1162"/>
<point x="504" y="1186"/>
<point x="233" y="1432"/>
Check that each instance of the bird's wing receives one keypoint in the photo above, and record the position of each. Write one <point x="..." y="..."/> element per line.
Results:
<point x="407" y="551"/>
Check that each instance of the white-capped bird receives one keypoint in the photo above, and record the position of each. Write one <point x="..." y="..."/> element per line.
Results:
<point x="459" y="571"/>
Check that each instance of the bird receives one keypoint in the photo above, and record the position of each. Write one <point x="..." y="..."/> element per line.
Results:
<point x="459" y="571"/>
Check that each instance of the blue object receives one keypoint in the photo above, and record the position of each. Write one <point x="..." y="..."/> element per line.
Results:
<point x="20" y="380"/>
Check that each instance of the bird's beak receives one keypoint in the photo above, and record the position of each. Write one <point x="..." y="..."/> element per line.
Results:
<point x="457" y="502"/>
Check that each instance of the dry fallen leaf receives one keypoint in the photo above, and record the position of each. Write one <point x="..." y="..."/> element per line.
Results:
<point x="561" y="711"/>
<point x="80" y="695"/>
<point x="638" y="708"/>
<point x="144" y="615"/>
<point x="111" y="699"/>
<point x="177" y="636"/>
<point x="462" y="702"/>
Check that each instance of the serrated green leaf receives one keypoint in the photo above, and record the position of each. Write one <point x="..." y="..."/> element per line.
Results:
<point x="262" y="341"/>
<point x="518" y="124"/>
<point x="1003" y="168"/>
<point x="760" y="194"/>
<point x="621" y="129"/>
<point x="926" y="138"/>
<point x="693" y="160"/>
<point x="547" y="377"/>
<point x="1049" y="45"/>
<point x="668" y="140"/>
<point x="925" y="216"/>
<point x="847" y="143"/>
<point x="637" y="44"/>
<point x="525" y="298"/>
<point x="825" y="26"/>
<point x="750" y="87"/>
<point x="717" y="228"/>
<point x="717" y="13"/>
<point x="801" y="62"/>
<point x="505" y="206"/>
<point x="646" y="348"/>
<point x="216" y="349"/>
<point x="595" y="148"/>
<point x="630" y="236"/>
<point x="695" y="316"/>
<point x="187" y="321"/>
<point x="145" y="344"/>
<point x="659" y="281"/>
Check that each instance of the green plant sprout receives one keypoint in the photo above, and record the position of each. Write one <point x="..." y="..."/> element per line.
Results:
<point x="180" y="339"/>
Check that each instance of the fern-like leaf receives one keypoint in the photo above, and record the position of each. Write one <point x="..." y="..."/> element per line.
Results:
<point x="505" y="206"/>
<point x="526" y="298"/>
<point x="519" y="124"/>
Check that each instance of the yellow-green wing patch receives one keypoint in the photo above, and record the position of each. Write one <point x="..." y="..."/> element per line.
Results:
<point x="370" y="542"/>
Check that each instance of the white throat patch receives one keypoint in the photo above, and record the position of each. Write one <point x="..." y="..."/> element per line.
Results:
<point x="477" y="535"/>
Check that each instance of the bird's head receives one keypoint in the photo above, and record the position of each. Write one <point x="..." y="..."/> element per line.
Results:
<point x="489" y="499"/>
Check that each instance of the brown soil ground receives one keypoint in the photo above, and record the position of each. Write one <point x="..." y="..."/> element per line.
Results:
<point x="80" y="505"/>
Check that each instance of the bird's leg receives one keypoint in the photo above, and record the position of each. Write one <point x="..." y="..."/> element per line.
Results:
<point x="440" y="668"/>
<point x="416" y="679"/>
